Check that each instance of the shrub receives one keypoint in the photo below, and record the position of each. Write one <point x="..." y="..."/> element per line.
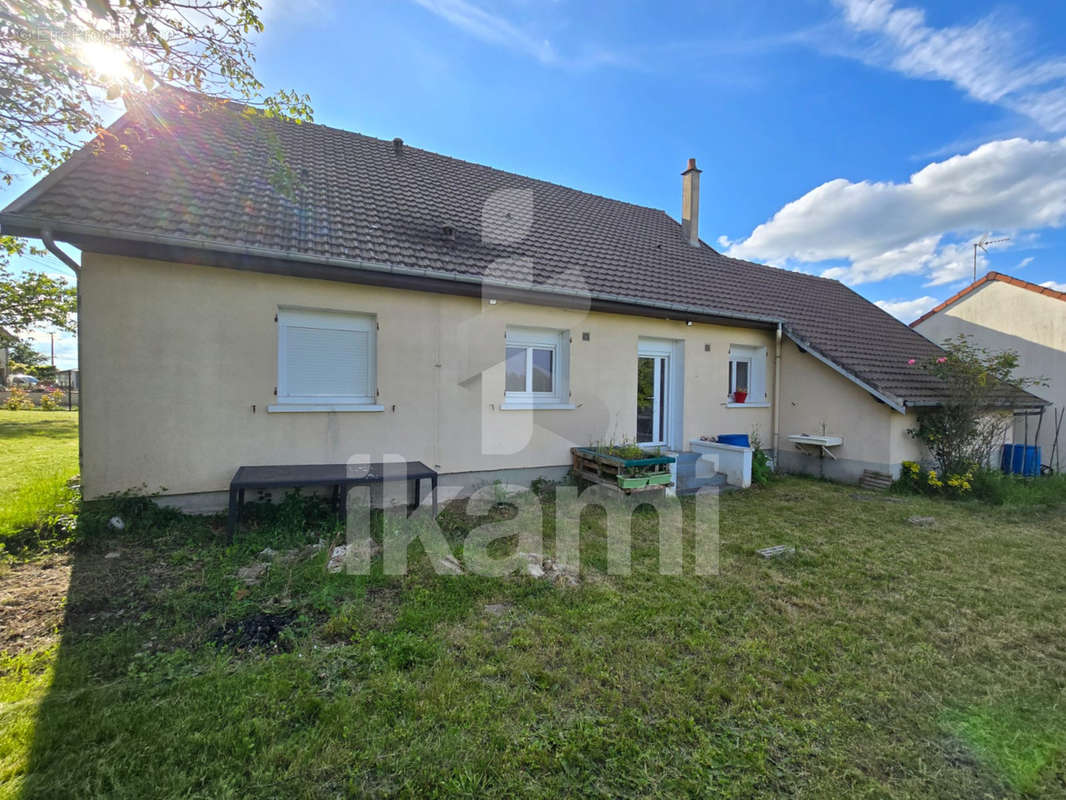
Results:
<point x="976" y="410"/>
<point x="914" y="478"/>
<point x="760" y="460"/>
<point x="18" y="400"/>
<point x="52" y="400"/>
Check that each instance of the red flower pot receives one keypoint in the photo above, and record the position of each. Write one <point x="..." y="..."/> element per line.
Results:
<point x="740" y="396"/>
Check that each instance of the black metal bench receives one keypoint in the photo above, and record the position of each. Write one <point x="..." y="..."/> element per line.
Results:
<point x="341" y="477"/>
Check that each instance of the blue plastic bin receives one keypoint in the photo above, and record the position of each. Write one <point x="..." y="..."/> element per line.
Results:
<point x="1020" y="460"/>
<point x="737" y="439"/>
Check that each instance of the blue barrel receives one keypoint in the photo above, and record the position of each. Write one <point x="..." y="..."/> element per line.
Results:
<point x="737" y="439"/>
<point x="1020" y="459"/>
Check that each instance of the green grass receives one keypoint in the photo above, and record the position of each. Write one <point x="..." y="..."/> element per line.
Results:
<point x="38" y="456"/>
<point x="882" y="660"/>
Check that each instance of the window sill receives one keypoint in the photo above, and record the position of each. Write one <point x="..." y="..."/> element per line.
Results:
<point x="514" y="406"/>
<point x="289" y="408"/>
<point x="747" y="405"/>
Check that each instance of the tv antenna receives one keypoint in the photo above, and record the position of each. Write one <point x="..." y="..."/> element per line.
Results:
<point x="984" y="243"/>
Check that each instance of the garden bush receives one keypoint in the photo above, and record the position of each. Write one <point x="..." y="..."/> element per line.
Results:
<point x="52" y="400"/>
<point x="18" y="400"/>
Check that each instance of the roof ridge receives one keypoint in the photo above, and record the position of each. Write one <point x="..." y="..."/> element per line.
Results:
<point x="990" y="277"/>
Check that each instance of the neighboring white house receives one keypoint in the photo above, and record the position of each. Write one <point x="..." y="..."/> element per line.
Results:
<point x="390" y="301"/>
<point x="1001" y="313"/>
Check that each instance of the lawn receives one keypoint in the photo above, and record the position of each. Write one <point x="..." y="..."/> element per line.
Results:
<point x="38" y="456"/>
<point x="882" y="659"/>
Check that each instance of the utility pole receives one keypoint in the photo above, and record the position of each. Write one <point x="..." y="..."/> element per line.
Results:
<point x="984" y="243"/>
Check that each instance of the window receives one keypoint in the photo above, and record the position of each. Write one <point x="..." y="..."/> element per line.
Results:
<point x="326" y="361"/>
<point x="747" y="375"/>
<point x="536" y="368"/>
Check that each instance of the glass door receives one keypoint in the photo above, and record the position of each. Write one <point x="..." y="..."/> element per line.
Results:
<point x="652" y="407"/>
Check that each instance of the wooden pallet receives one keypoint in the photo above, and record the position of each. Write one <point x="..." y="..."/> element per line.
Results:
<point x="875" y="480"/>
<point x="603" y="471"/>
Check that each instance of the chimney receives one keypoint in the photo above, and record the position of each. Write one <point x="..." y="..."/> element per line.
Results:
<point x="690" y="203"/>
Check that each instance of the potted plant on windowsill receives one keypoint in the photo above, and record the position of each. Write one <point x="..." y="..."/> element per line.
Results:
<point x="740" y="395"/>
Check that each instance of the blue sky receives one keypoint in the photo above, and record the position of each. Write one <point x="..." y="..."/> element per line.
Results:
<point x="869" y="140"/>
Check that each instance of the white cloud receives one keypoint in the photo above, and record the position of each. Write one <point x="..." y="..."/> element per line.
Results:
<point x="1025" y="262"/>
<point x="861" y="232"/>
<point x="907" y="310"/>
<point x="992" y="59"/>
<point x="66" y="346"/>
<point x="496" y="29"/>
<point x="489" y="27"/>
<point x="1058" y="286"/>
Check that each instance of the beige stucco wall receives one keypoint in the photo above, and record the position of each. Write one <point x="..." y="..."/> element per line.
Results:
<point x="1000" y="316"/>
<point x="817" y="400"/>
<point x="179" y="365"/>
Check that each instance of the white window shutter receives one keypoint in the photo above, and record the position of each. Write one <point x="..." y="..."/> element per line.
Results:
<point x="326" y="356"/>
<point x="327" y="363"/>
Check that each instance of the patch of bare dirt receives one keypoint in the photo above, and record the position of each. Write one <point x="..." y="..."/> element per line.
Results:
<point x="32" y="603"/>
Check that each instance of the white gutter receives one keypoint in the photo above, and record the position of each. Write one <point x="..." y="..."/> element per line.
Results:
<point x="775" y="434"/>
<point x="20" y="222"/>
<point x="53" y="248"/>
<point x="282" y="255"/>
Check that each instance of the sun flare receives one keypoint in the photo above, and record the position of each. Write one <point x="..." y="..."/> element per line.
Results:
<point x="106" y="60"/>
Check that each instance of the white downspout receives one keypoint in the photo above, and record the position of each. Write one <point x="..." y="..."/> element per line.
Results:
<point x="775" y="435"/>
<point x="75" y="267"/>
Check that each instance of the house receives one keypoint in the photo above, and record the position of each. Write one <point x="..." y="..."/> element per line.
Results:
<point x="322" y="296"/>
<point x="1000" y="313"/>
<point x="69" y="379"/>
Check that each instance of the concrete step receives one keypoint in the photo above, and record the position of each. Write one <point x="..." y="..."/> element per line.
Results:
<point x="689" y="484"/>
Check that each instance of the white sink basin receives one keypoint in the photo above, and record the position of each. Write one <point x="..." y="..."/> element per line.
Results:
<point x="825" y="440"/>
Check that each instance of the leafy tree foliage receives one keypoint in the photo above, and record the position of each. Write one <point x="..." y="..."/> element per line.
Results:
<point x="64" y="63"/>
<point x="22" y="352"/>
<point x="976" y="414"/>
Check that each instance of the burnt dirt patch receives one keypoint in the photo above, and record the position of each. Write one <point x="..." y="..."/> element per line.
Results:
<point x="262" y="632"/>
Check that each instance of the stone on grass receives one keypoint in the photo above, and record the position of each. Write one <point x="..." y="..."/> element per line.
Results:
<point x="777" y="551"/>
<point x="113" y="554"/>
<point x="534" y="564"/>
<point x="267" y="554"/>
<point x="922" y="522"/>
<point x="253" y="573"/>
<point x="336" y="558"/>
<point x="449" y="565"/>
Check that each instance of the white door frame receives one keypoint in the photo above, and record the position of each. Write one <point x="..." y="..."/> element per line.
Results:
<point x="672" y="352"/>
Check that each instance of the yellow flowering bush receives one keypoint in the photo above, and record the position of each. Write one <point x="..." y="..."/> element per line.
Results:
<point x="914" y="478"/>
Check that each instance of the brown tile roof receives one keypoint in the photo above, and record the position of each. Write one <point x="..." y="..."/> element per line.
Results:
<point x="989" y="278"/>
<point x="210" y="178"/>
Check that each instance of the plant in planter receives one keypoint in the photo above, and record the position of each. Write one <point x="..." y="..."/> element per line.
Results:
<point x="628" y="465"/>
<point x="740" y="395"/>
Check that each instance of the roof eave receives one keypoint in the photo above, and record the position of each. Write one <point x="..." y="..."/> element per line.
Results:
<point x="81" y="235"/>
<point x="891" y="401"/>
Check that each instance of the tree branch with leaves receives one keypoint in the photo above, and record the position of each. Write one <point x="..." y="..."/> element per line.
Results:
<point x="64" y="63"/>
<point x="980" y="387"/>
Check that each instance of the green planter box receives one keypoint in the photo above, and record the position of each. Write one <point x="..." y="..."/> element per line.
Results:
<point x="659" y="479"/>
<point x="633" y="481"/>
